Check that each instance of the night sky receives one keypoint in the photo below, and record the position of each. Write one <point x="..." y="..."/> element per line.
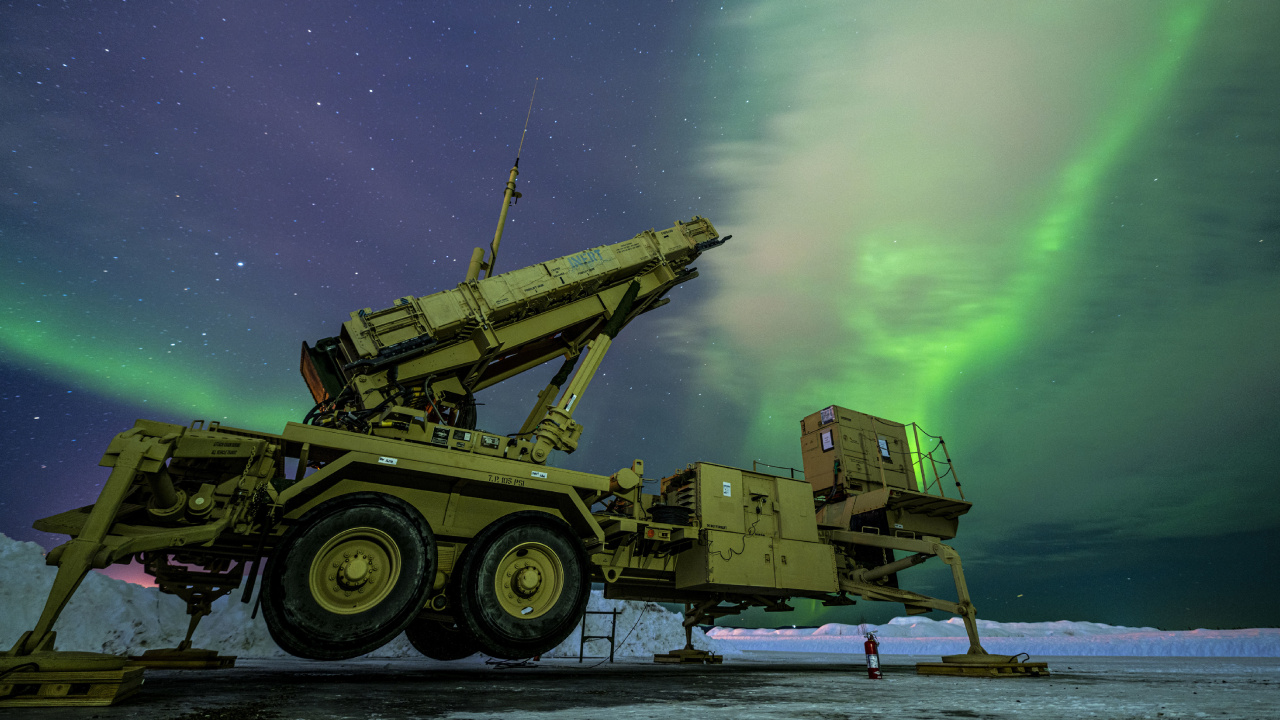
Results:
<point x="1048" y="231"/>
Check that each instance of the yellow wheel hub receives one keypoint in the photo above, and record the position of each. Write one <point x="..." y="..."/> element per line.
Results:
<point x="355" y="570"/>
<point x="530" y="580"/>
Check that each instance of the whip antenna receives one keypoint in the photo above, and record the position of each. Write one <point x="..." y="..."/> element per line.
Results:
<point x="526" y="120"/>
<point x="509" y="197"/>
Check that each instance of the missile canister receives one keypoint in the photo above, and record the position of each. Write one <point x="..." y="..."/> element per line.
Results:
<point x="444" y="347"/>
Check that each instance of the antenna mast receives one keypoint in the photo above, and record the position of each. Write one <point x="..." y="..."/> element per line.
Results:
<point x="509" y="197"/>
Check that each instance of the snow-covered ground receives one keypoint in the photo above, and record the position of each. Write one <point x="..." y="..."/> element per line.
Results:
<point x="113" y="616"/>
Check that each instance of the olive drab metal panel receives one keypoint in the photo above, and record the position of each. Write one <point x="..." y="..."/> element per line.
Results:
<point x="855" y="451"/>
<point x="719" y="498"/>
<point x="759" y="533"/>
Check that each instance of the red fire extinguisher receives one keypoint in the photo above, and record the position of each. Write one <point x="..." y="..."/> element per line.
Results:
<point x="872" y="646"/>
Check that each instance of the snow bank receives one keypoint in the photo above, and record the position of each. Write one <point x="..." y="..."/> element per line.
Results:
<point x="923" y="636"/>
<point x="113" y="616"/>
<point x="105" y="615"/>
<point x="643" y="629"/>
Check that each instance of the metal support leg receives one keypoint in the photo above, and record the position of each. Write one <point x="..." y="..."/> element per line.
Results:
<point x="34" y="674"/>
<point x="692" y="614"/>
<point x="969" y="613"/>
<point x="77" y="557"/>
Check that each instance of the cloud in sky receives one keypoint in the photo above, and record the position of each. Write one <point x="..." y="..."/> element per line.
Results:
<point x="917" y="183"/>
<point x="920" y="206"/>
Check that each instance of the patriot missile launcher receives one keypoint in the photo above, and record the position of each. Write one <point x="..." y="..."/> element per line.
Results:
<point x="388" y="510"/>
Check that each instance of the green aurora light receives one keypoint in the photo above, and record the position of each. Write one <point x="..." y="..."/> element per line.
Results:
<point x="1036" y="287"/>
<point x="135" y="370"/>
<point x="912" y="305"/>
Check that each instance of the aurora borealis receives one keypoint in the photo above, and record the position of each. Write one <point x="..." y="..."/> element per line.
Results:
<point x="1047" y="231"/>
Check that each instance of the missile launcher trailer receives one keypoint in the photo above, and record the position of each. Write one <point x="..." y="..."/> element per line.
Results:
<point x="388" y="511"/>
<point x="431" y="354"/>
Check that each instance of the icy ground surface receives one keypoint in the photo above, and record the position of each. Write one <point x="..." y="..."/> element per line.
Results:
<point x="753" y="686"/>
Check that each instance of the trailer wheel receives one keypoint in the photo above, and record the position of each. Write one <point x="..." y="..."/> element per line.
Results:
<point x="440" y="640"/>
<point x="349" y="577"/>
<point x="522" y="585"/>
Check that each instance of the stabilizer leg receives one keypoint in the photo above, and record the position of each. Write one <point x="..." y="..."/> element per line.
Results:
<point x="693" y="614"/>
<point x="977" y="662"/>
<point x="85" y="551"/>
<point x="199" y="589"/>
<point x="32" y="673"/>
<point x="969" y="614"/>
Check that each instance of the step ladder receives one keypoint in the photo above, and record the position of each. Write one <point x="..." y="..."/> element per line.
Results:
<point x="613" y="630"/>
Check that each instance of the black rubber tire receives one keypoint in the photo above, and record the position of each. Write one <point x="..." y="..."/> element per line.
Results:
<point x="439" y="640"/>
<point x="507" y="635"/>
<point x="301" y="624"/>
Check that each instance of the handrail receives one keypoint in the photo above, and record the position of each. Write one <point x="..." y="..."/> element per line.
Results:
<point x="918" y="461"/>
<point x="755" y="463"/>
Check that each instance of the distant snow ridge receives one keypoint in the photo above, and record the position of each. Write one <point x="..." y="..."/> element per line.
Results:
<point x="923" y="636"/>
<point x="113" y="616"/>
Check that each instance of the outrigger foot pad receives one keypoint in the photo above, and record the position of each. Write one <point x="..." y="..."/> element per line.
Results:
<point x="984" y="665"/>
<point x="189" y="659"/>
<point x="48" y="679"/>
<point x="688" y="656"/>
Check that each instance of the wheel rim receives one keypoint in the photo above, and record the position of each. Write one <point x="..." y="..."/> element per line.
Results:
<point x="530" y="580"/>
<point x="355" y="570"/>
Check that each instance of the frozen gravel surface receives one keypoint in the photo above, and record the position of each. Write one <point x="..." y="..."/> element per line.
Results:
<point x="753" y="685"/>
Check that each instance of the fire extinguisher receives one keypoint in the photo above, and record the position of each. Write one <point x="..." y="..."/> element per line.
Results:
<point x="872" y="646"/>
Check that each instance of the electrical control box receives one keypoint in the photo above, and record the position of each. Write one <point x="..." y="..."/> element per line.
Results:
<point x="757" y="532"/>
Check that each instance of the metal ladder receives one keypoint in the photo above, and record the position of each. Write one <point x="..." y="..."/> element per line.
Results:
<point x="613" y="629"/>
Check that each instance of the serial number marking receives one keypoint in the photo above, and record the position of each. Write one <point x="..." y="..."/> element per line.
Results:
<point x="538" y="474"/>
<point x="388" y="460"/>
<point x="505" y="480"/>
